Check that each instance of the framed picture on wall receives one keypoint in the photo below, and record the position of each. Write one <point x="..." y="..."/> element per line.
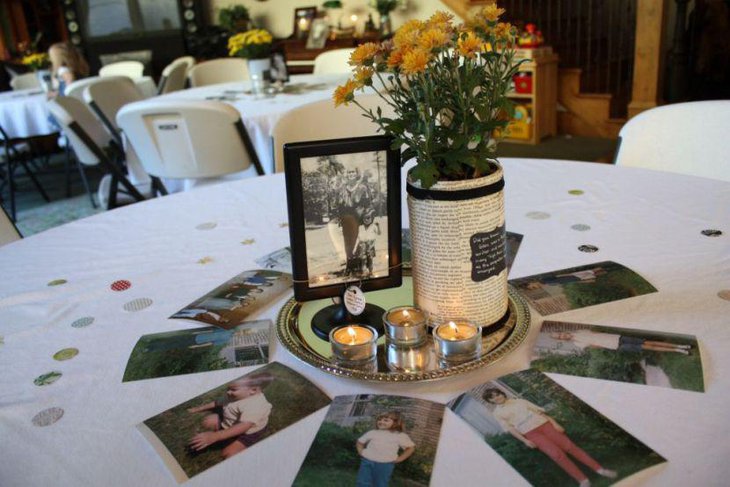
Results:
<point x="303" y="17"/>
<point x="318" y="34"/>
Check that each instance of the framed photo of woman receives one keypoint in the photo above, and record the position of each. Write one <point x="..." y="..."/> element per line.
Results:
<point x="344" y="215"/>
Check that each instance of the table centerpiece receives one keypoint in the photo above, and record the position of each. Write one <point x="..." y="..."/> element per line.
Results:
<point x="448" y="87"/>
<point x="255" y="46"/>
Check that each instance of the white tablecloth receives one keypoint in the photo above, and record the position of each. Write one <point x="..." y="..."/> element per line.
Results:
<point x="260" y="113"/>
<point x="24" y="113"/>
<point x="648" y="221"/>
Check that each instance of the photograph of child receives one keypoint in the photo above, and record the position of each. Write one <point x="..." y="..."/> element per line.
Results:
<point x="549" y="435"/>
<point x="374" y="441"/>
<point x="196" y="350"/>
<point x="602" y="352"/>
<point x="278" y="260"/>
<point x="228" y="305"/>
<point x="579" y="287"/>
<point x="202" y="432"/>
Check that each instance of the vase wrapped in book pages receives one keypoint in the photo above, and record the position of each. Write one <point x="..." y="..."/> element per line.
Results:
<point x="458" y="247"/>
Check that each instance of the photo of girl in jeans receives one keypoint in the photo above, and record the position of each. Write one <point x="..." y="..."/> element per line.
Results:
<point x="381" y="449"/>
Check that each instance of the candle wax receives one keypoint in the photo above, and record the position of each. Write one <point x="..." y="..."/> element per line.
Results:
<point x="456" y="332"/>
<point x="405" y="317"/>
<point x="353" y="335"/>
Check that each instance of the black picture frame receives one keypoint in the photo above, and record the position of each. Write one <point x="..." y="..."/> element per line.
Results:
<point x="308" y="13"/>
<point x="317" y="185"/>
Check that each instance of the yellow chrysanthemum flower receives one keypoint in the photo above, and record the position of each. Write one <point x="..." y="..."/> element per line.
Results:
<point x="345" y="93"/>
<point x="433" y="38"/>
<point x="492" y="12"/>
<point x="364" y="76"/>
<point x="503" y="32"/>
<point x="364" y="54"/>
<point x="396" y="58"/>
<point x="415" y="61"/>
<point x="440" y="18"/>
<point x="407" y="35"/>
<point x="469" y="45"/>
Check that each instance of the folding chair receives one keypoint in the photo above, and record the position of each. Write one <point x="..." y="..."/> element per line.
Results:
<point x="15" y="152"/>
<point x="175" y="75"/>
<point x="223" y="70"/>
<point x="132" y="69"/>
<point x="184" y="139"/>
<point x="8" y="231"/>
<point x="106" y="96"/>
<point x="333" y="62"/>
<point x="91" y="143"/>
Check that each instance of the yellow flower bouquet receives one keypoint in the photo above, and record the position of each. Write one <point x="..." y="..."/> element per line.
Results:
<point x="447" y="85"/>
<point x="36" y="61"/>
<point x="252" y="44"/>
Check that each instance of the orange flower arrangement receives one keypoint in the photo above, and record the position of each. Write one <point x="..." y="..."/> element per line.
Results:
<point x="447" y="85"/>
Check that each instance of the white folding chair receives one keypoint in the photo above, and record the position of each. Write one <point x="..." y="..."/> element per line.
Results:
<point x="223" y="70"/>
<point x="687" y="138"/>
<point x="132" y="69"/>
<point x="185" y="139"/>
<point x="25" y="81"/>
<point x="333" y="62"/>
<point x="106" y="96"/>
<point x="91" y="142"/>
<point x="76" y="88"/>
<point x="8" y="231"/>
<point x="322" y="120"/>
<point x="174" y="76"/>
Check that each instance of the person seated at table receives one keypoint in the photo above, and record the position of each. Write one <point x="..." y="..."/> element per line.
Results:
<point x="67" y="66"/>
<point x="240" y="419"/>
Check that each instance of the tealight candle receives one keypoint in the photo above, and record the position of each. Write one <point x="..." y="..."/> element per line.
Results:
<point x="405" y="325"/>
<point x="458" y="340"/>
<point x="353" y="343"/>
<point x="409" y="359"/>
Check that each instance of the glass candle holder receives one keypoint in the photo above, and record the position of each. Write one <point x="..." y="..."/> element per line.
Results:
<point x="353" y="343"/>
<point x="458" y="340"/>
<point x="405" y="325"/>
<point x="409" y="359"/>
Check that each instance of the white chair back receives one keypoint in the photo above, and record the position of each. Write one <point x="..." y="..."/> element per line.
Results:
<point x="333" y="62"/>
<point x="76" y="88"/>
<point x="108" y="95"/>
<point x="188" y="139"/>
<point x="25" y="81"/>
<point x="132" y="69"/>
<point x="322" y="120"/>
<point x="173" y="77"/>
<point x="71" y="113"/>
<point x="8" y="231"/>
<point x="223" y="70"/>
<point x="686" y="138"/>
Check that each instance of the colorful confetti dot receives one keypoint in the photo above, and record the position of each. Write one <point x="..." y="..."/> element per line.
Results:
<point x="711" y="232"/>
<point x="47" y="378"/>
<point x="47" y="417"/>
<point x="581" y="227"/>
<point x="205" y="260"/>
<point x="121" y="285"/>
<point x="283" y="225"/>
<point x="248" y="241"/>
<point x="538" y="215"/>
<point x="57" y="282"/>
<point x="138" y="304"/>
<point x="576" y="192"/>
<point x="66" y="354"/>
<point x="82" y="322"/>
<point x="588" y="248"/>
<point x="207" y="226"/>
<point x="724" y="294"/>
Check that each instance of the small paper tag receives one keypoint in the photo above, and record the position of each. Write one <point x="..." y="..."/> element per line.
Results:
<point x="354" y="300"/>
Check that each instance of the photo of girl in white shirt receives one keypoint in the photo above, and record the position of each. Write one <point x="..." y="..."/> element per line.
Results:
<point x="381" y="449"/>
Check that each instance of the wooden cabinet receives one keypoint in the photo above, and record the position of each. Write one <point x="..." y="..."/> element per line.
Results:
<point x="540" y="104"/>
<point x="300" y="60"/>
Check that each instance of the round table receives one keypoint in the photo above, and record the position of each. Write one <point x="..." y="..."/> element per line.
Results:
<point x="175" y="249"/>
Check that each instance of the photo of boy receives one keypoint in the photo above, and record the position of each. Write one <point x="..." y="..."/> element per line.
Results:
<point x="239" y="419"/>
<point x="382" y="448"/>
<point x="579" y="287"/>
<point x="620" y="354"/>
<point x="230" y="419"/>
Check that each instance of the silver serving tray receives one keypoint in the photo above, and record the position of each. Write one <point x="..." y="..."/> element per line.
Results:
<point x="395" y="364"/>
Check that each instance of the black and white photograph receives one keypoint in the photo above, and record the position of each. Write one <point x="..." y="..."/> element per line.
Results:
<point x="344" y="216"/>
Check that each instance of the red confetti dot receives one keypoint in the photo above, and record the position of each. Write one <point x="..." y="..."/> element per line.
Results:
<point x="121" y="285"/>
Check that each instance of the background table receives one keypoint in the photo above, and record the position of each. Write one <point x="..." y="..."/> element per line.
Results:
<point x="260" y="113"/>
<point x="648" y="221"/>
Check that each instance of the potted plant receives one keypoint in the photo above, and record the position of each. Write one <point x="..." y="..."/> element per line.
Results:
<point x="447" y="85"/>
<point x="234" y="18"/>
<point x="255" y="46"/>
<point x="39" y="63"/>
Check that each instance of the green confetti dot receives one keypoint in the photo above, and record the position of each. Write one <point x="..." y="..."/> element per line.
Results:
<point x="57" y="282"/>
<point x="47" y="378"/>
<point x="576" y="192"/>
<point x="66" y="354"/>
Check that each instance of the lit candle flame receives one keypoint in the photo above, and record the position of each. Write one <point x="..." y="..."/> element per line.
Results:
<point x="406" y="314"/>
<point x="351" y="332"/>
<point x="353" y="17"/>
<point x="453" y="326"/>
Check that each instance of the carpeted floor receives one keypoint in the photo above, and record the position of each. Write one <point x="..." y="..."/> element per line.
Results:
<point x="36" y="215"/>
